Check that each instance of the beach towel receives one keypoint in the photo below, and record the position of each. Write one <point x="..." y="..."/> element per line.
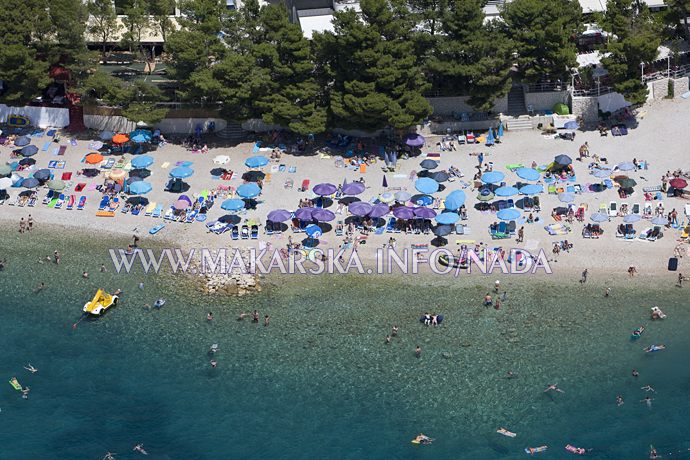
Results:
<point x="55" y="164"/>
<point x="274" y="168"/>
<point x="433" y="155"/>
<point x="267" y="179"/>
<point x="363" y="168"/>
<point x="80" y="186"/>
<point x="67" y="176"/>
<point x="63" y="149"/>
<point x="55" y="151"/>
<point x="256" y="147"/>
<point x="281" y="168"/>
<point x="165" y="165"/>
<point x="46" y="146"/>
<point x="293" y="169"/>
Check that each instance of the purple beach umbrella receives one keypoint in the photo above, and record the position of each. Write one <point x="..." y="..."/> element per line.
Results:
<point x="353" y="188"/>
<point x="360" y="208"/>
<point x="403" y="212"/>
<point x="414" y="140"/>
<point x="324" y="189"/>
<point x="424" y="213"/>
<point x="379" y="210"/>
<point x="322" y="215"/>
<point x="278" y="215"/>
<point x="304" y="213"/>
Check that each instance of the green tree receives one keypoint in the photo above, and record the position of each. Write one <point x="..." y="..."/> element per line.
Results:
<point x="103" y="22"/>
<point x="635" y="40"/>
<point x="146" y="112"/>
<point x="136" y="22"/>
<point x="543" y="32"/>
<point x="160" y="16"/>
<point x="471" y="57"/>
<point x="23" y="76"/>
<point x="677" y="18"/>
<point x="69" y="44"/>
<point x="374" y="77"/>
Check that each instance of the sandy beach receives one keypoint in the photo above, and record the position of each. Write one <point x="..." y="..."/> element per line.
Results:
<point x="657" y="140"/>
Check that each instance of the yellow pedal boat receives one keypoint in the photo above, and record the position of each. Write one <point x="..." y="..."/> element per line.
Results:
<point x="100" y="303"/>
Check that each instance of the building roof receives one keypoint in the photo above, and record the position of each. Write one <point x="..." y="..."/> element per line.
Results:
<point x="315" y="23"/>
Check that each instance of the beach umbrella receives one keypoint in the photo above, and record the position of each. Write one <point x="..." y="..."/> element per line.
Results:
<point x="256" y="161"/>
<point x="5" y="170"/>
<point x="42" y="174"/>
<point x="481" y="196"/>
<point x="142" y="173"/>
<point x="93" y="158"/>
<point x="140" y="139"/>
<point x="500" y="129"/>
<point x="5" y="183"/>
<point x="631" y="218"/>
<point x="531" y="189"/>
<point x="120" y="138"/>
<point x="571" y="125"/>
<point x="508" y="214"/>
<point x="91" y="172"/>
<point x="402" y="196"/>
<point x="30" y="182"/>
<point x="490" y="137"/>
<point x="360" y="208"/>
<point x="28" y="151"/>
<point x="528" y="173"/>
<point x="304" y="213"/>
<point x="348" y="199"/>
<point x="422" y="200"/>
<point x="563" y="160"/>
<point x="252" y="176"/>
<point x="106" y="135"/>
<point x="221" y="159"/>
<point x="403" y="212"/>
<point x="143" y="161"/>
<point x="599" y="217"/>
<point x="678" y="183"/>
<point x="658" y="220"/>
<point x="424" y="213"/>
<point x="506" y="191"/>
<point x="132" y="179"/>
<point x="379" y="210"/>
<point x="566" y="197"/>
<point x="426" y="185"/>
<point x="233" y="219"/>
<point x="218" y="171"/>
<point x="56" y="184"/>
<point x="385" y="182"/>
<point x="95" y="145"/>
<point x="27" y="162"/>
<point x="386" y="197"/>
<point x="138" y="200"/>
<point x="627" y="166"/>
<point x="181" y="172"/>
<point x="279" y="215"/>
<point x="22" y="141"/>
<point x="180" y="205"/>
<point x="322" y="215"/>
<point x="324" y="189"/>
<point x="455" y="200"/>
<point x="140" y="135"/>
<point x="492" y="177"/>
<point x="140" y="188"/>
<point x="447" y="218"/>
<point x="185" y="198"/>
<point x="626" y="182"/>
<point x="414" y="140"/>
<point x="353" y="188"/>
<point x="250" y="190"/>
<point x="440" y="176"/>
<point x="232" y="205"/>
<point x="443" y="230"/>
<point x="602" y="173"/>
<point x="313" y="231"/>
<point x="117" y="174"/>
<point x="429" y="164"/>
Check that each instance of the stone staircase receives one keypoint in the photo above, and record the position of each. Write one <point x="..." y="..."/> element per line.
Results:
<point x="519" y="123"/>
<point x="232" y="131"/>
<point x="516" y="100"/>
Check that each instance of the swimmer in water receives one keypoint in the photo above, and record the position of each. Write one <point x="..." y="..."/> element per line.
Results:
<point x="209" y="317"/>
<point x="511" y="375"/>
<point x="140" y="448"/>
<point x="214" y="363"/>
<point x="109" y="456"/>
<point x="41" y="286"/>
<point x="635" y="373"/>
<point x="553" y="387"/>
<point x="30" y="368"/>
<point x="488" y="301"/>
<point x="647" y="401"/>
<point x="394" y="331"/>
<point x="619" y="400"/>
<point x="648" y="388"/>
<point x="241" y="316"/>
<point x="423" y="439"/>
<point x="25" y="392"/>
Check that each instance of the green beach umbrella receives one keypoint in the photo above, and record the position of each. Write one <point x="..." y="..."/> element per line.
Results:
<point x="561" y="109"/>
<point x="55" y="184"/>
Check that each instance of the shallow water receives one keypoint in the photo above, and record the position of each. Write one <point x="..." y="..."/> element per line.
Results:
<point x="319" y="381"/>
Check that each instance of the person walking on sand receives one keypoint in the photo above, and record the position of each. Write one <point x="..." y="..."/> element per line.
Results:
<point x="22" y="225"/>
<point x="480" y="159"/>
<point x="632" y="270"/>
<point x="521" y="235"/>
<point x="497" y="285"/>
<point x="583" y="279"/>
<point x="30" y="223"/>
<point x="680" y="280"/>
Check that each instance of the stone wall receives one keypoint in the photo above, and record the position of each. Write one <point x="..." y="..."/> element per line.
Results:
<point x="680" y="86"/>
<point x="658" y="89"/>
<point x="445" y="106"/>
<point x="587" y="108"/>
<point x="43" y="117"/>
<point x="541" y="102"/>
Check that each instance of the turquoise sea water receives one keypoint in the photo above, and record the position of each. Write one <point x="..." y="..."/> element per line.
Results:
<point x="319" y="382"/>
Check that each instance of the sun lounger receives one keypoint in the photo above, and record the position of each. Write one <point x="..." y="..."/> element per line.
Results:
<point x="82" y="203"/>
<point x="62" y="150"/>
<point x="191" y="216"/>
<point x="235" y="233"/>
<point x="104" y="203"/>
<point x="60" y="201"/>
<point x="149" y="209"/>
<point x="613" y="209"/>
<point x="32" y="201"/>
<point x="70" y="202"/>
<point x="655" y="188"/>
<point x="48" y="197"/>
<point x="254" y="232"/>
<point x="170" y="214"/>
<point x="157" y="211"/>
<point x="126" y="208"/>
<point x="244" y="232"/>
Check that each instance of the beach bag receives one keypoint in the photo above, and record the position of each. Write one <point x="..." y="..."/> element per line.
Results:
<point x="673" y="264"/>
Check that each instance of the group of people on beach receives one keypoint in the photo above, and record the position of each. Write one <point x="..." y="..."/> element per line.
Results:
<point x="26" y="225"/>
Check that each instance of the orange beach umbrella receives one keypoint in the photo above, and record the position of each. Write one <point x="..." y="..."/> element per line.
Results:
<point x="93" y="158"/>
<point x="120" y="138"/>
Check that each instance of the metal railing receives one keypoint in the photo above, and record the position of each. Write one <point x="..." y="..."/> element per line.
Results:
<point x="545" y="87"/>
<point x="677" y="72"/>
<point x="599" y="91"/>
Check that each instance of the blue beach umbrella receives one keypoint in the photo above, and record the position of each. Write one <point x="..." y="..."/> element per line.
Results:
<point x="181" y="172"/>
<point x="528" y="173"/>
<point x="531" y="189"/>
<point x="313" y="231"/>
<point x="631" y="218"/>
<point x="256" y="161"/>
<point x="304" y="213"/>
<point x="599" y="217"/>
<point x="42" y="174"/>
<point x="324" y="189"/>
<point x="455" y="200"/>
<point x="506" y="191"/>
<point x="140" y="188"/>
<point x="139" y="139"/>
<point x="107" y="135"/>
<point x="379" y="210"/>
<point x="29" y="151"/>
<point x="22" y="141"/>
<point x="508" y="214"/>
<point x="249" y="190"/>
<point x="30" y="182"/>
<point x="232" y="205"/>
<point x="426" y="185"/>
<point x="143" y="161"/>
<point x="429" y="164"/>
<point x="493" y="177"/>
<point x="566" y="197"/>
<point x="447" y="218"/>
